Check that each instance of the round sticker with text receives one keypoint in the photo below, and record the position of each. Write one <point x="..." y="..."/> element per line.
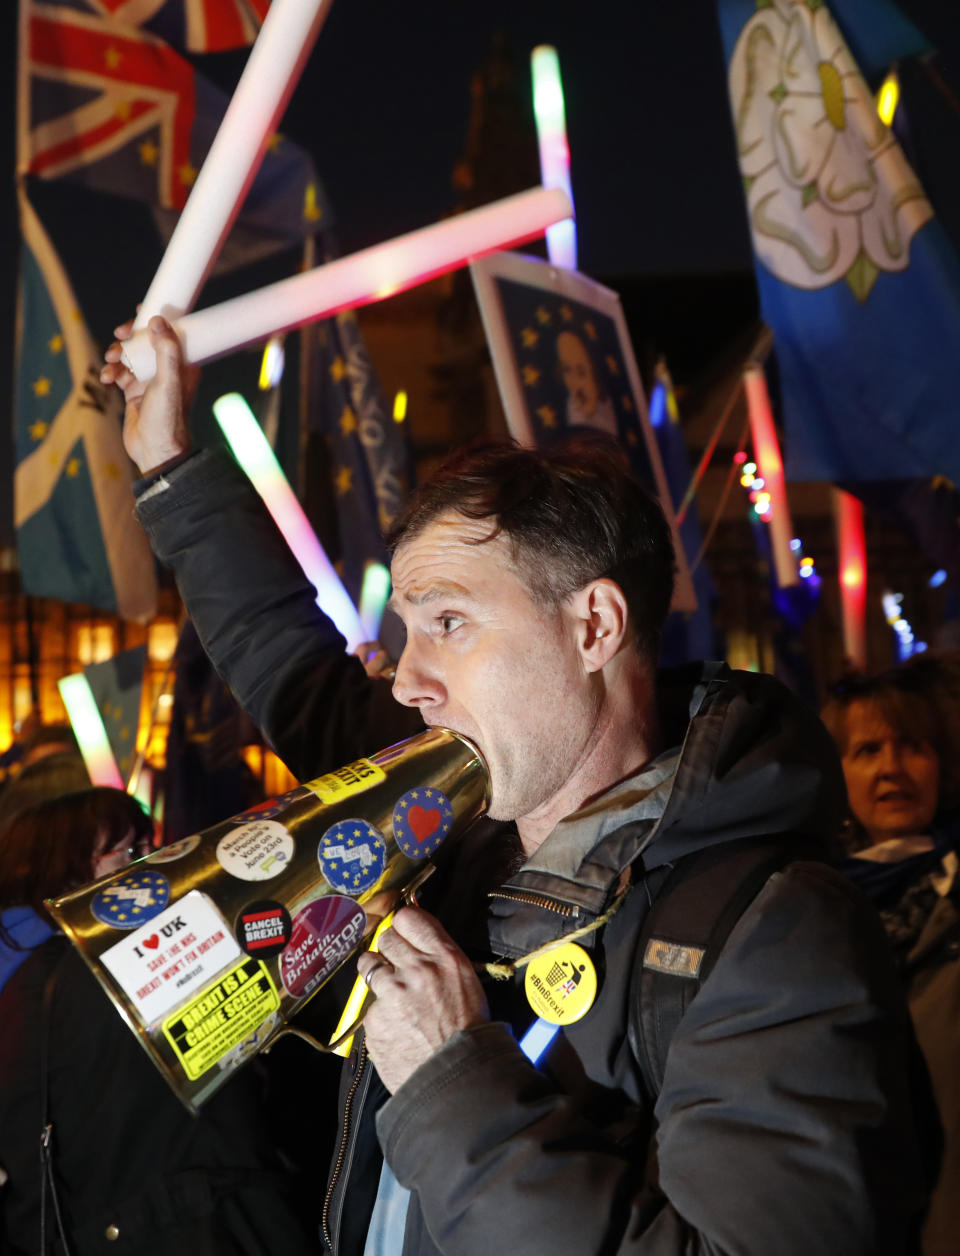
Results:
<point x="256" y="851"/>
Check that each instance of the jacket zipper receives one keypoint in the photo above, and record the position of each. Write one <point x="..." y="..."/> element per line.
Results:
<point x="344" y="1142"/>
<point x="537" y="900"/>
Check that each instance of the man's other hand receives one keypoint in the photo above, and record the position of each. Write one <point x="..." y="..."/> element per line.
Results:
<point x="155" y="428"/>
<point x="426" y="991"/>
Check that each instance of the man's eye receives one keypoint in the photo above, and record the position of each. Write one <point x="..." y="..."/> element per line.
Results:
<point x="867" y="749"/>
<point x="449" y="623"/>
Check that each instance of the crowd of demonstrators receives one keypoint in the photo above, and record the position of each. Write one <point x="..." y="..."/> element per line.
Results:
<point x="133" y="1170"/>
<point x="740" y="1081"/>
<point x="897" y="734"/>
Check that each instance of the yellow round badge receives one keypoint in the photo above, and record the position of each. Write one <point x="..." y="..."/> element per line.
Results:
<point x="562" y="984"/>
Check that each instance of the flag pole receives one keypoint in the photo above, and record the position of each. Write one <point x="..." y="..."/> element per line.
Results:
<point x="756" y="354"/>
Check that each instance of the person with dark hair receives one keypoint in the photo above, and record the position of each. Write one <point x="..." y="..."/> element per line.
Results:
<point x="734" y="1076"/>
<point x="131" y="1169"/>
<point x="47" y="777"/>
<point x="896" y="736"/>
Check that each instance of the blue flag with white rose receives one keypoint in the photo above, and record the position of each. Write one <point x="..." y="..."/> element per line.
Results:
<point x="857" y="279"/>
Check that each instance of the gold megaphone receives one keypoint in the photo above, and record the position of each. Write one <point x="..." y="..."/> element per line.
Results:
<point x="207" y="947"/>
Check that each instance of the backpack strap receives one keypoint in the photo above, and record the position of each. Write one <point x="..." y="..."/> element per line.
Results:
<point x="695" y="907"/>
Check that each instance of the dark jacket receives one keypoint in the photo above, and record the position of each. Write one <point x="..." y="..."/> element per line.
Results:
<point x="126" y="1153"/>
<point x="782" y="1125"/>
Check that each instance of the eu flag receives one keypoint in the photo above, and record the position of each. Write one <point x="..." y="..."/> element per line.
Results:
<point x="117" y="688"/>
<point x="857" y="279"/>
<point x="77" y="538"/>
<point x="371" y="464"/>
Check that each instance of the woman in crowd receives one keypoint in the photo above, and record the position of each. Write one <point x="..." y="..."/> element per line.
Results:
<point x="133" y="1170"/>
<point x="896" y="736"/>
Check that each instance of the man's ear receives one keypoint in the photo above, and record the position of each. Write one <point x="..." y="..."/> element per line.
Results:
<point x="603" y="621"/>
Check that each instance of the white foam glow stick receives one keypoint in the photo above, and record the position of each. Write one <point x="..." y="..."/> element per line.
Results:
<point x="550" y="114"/>
<point x="252" y="450"/>
<point x="88" y="728"/>
<point x="359" y="279"/>
<point x="269" y="77"/>
<point x="374" y="593"/>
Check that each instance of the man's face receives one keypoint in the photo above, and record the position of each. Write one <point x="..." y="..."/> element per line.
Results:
<point x="576" y="370"/>
<point x="483" y="658"/>
<point x="892" y="779"/>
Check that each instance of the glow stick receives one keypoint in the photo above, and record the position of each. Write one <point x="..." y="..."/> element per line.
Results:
<point x="852" y="566"/>
<point x="373" y="598"/>
<point x="766" y="449"/>
<point x="888" y="97"/>
<point x="537" y="1038"/>
<point x="358" y="995"/>
<point x="359" y="279"/>
<point x="252" y="450"/>
<point x="551" y="119"/>
<point x="268" y="79"/>
<point x="88" y="728"/>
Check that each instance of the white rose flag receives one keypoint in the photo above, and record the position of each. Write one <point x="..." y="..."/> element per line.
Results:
<point x="857" y="279"/>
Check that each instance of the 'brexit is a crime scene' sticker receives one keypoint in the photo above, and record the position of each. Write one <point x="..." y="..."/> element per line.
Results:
<point x="221" y="1017"/>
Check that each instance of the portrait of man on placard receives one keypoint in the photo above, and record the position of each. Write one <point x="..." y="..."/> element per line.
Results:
<point x="564" y="365"/>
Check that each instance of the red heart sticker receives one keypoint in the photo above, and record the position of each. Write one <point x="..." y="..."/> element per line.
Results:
<point x="152" y="942"/>
<point x="423" y="824"/>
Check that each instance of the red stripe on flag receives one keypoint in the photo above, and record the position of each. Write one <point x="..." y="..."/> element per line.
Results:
<point x="112" y="56"/>
<point x="223" y="26"/>
<point x="89" y="139"/>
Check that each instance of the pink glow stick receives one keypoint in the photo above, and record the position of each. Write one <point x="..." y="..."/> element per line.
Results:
<point x="852" y="560"/>
<point x="359" y="279"/>
<point x="269" y="77"/>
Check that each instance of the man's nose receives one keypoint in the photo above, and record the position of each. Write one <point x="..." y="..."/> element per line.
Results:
<point x="416" y="683"/>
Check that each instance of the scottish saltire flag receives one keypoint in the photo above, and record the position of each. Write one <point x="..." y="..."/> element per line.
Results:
<point x="104" y="101"/>
<point x="117" y="688"/>
<point x="77" y="538"/>
<point x="857" y="279"/>
<point x="371" y="465"/>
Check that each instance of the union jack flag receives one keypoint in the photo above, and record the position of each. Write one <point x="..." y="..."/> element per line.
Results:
<point x="104" y="103"/>
<point x="202" y="25"/>
<point x="109" y="103"/>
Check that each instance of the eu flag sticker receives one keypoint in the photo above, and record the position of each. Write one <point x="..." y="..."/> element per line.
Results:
<point x="352" y="856"/>
<point x="132" y="900"/>
<point x="422" y="818"/>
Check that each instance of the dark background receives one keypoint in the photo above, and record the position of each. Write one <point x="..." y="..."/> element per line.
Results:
<point x="385" y="104"/>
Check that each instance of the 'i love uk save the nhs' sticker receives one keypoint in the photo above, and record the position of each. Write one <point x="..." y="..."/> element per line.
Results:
<point x="177" y="952"/>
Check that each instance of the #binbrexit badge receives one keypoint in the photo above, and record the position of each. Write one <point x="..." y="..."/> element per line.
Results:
<point x="561" y="984"/>
<point x="422" y="818"/>
<point x="352" y="856"/>
<point x="132" y="900"/>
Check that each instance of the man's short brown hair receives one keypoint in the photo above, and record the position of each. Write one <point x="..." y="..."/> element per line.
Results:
<point x="572" y="513"/>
